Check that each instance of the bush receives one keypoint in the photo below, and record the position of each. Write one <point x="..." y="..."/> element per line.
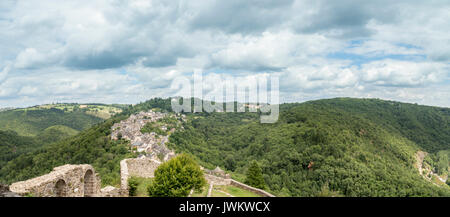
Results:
<point x="132" y="186"/>
<point x="176" y="177"/>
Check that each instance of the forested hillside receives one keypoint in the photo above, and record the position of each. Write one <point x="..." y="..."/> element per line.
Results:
<point x="27" y="129"/>
<point x="314" y="147"/>
<point x="13" y="145"/>
<point x="32" y="122"/>
<point x="348" y="147"/>
<point x="427" y="126"/>
<point x="92" y="146"/>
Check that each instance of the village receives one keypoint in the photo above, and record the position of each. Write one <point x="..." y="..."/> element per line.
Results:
<point x="148" y="144"/>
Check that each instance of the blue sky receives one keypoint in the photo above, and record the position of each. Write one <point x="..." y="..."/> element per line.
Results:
<point x="117" y="51"/>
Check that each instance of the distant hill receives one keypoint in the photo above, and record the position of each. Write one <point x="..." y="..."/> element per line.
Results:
<point x="34" y="120"/>
<point x="56" y="133"/>
<point x="343" y="146"/>
<point x="427" y="126"/>
<point x="27" y="129"/>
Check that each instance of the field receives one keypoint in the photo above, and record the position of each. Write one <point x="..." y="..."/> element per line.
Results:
<point x="98" y="110"/>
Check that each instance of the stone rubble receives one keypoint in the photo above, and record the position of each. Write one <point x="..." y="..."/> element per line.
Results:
<point x="5" y="192"/>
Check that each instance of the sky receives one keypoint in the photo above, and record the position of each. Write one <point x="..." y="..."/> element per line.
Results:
<point x="128" y="51"/>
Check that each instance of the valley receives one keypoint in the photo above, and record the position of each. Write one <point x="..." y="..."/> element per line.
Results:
<point x="332" y="147"/>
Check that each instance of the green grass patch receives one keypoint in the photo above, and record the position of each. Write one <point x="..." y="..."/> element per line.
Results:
<point x="203" y="193"/>
<point x="215" y="193"/>
<point x="143" y="183"/>
<point x="237" y="192"/>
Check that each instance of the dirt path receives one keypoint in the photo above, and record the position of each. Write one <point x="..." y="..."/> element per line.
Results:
<point x="228" y="194"/>
<point x="420" y="155"/>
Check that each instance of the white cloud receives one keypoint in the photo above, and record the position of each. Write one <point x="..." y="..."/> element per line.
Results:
<point x="120" y="51"/>
<point x="401" y="73"/>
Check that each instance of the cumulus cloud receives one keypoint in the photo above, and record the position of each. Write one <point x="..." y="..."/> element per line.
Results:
<point x="400" y="73"/>
<point x="120" y="51"/>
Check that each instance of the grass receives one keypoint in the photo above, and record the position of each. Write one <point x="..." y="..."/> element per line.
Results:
<point x="203" y="193"/>
<point x="142" y="187"/>
<point x="235" y="191"/>
<point x="215" y="193"/>
<point x="100" y="111"/>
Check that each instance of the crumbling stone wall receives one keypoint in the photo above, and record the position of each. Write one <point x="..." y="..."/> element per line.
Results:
<point x="110" y="191"/>
<point x="139" y="167"/>
<point x="64" y="181"/>
<point x="251" y="189"/>
<point x="220" y="177"/>
<point x="217" y="180"/>
<point x="5" y="192"/>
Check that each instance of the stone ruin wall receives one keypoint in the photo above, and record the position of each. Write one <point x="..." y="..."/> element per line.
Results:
<point x="214" y="179"/>
<point x="82" y="181"/>
<point x="251" y="189"/>
<point x="63" y="181"/>
<point x="139" y="167"/>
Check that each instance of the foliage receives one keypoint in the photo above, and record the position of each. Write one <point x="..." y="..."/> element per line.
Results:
<point x="359" y="147"/>
<point x="348" y="147"/>
<point x="176" y="177"/>
<point x="254" y="176"/>
<point x="13" y="145"/>
<point x="33" y="122"/>
<point x="31" y="128"/>
<point x="132" y="186"/>
<point x="427" y="126"/>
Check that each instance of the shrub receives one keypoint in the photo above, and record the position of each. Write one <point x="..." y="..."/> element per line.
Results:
<point x="132" y="186"/>
<point x="176" y="177"/>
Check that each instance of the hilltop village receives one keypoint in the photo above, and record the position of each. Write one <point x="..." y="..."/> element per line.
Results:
<point x="148" y="133"/>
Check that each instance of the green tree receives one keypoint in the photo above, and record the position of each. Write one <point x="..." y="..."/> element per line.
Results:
<point x="254" y="176"/>
<point x="132" y="186"/>
<point x="176" y="177"/>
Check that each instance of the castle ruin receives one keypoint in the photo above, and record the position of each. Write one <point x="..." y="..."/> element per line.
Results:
<point x="64" y="181"/>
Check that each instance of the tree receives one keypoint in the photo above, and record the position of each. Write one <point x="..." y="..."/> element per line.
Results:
<point x="254" y="176"/>
<point x="132" y="186"/>
<point x="176" y="177"/>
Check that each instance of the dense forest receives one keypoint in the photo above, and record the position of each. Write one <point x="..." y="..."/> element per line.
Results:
<point x="346" y="147"/>
<point x="352" y="147"/>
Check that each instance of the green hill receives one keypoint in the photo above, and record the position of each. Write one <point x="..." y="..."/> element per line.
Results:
<point x="348" y="147"/>
<point x="32" y="122"/>
<point x="337" y="144"/>
<point x="13" y="145"/>
<point x="90" y="146"/>
<point x="27" y="129"/>
<point x="56" y="133"/>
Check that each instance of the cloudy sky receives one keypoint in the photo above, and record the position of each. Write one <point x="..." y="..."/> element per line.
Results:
<point x="123" y="51"/>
